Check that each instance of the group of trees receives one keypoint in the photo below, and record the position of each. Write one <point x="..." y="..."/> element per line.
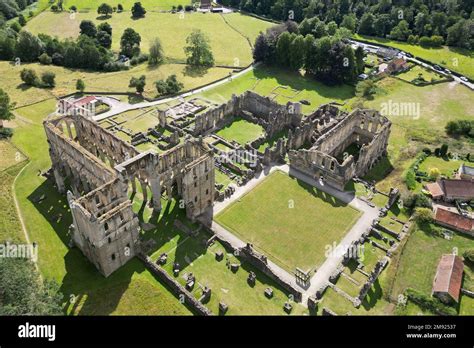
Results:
<point x="30" y="78"/>
<point x="460" y="128"/>
<point x="420" y="21"/>
<point x="169" y="86"/>
<point x="318" y="48"/>
<point x="24" y="293"/>
<point x="12" y="8"/>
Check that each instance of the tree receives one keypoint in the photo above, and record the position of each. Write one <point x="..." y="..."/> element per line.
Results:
<point x="138" y="11"/>
<point x="469" y="255"/>
<point x="104" y="39"/>
<point x="401" y="31"/>
<point x="155" y="55"/>
<point x="283" y="48"/>
<point x="130" y="43"/>
<point x="366" y="25"/>
<point x="23" y="291"/>
<point x="452" y="128"/>
<point x="198" y="50"/>
<point x="21" y="20"/>
<point x="261" y="49"/>
<point x="28" y="47"/>
<point x="80" y="85"/>
<point x="138" y="83"/>
<point x="29" y="77"/>
<point x="105" y="27"/>
<point x="6" y="108"/>
<point x="7" y="46"/>
<point x="443" y="151"/>
<point x="45" y="59"/>
<point x="174" y="86"/>
<point x="119" y="8"/>
<point x="332" y="28"/>
<point x="423" y="215"/>
<point x="349" y="22"/>
<point x="366" y="89"/>
<point x="48" y="79"/>
<point x="359" y="59"/>
<point x="434" y="173"/>
<point x="105" y="9"/>
<point x="88" y="28"/>
<point x="297" y="52"/>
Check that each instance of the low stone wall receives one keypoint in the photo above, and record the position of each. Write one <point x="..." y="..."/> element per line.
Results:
<point x="177" y="288"/>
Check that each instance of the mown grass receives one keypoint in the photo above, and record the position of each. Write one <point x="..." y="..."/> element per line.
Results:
<point x="241" y="131"/>
<point x="289" y="221"/>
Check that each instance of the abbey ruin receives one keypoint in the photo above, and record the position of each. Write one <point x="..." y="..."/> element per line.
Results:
<point x="101" y="172"/>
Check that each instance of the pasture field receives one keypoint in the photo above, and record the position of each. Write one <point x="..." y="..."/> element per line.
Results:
<point x="229" y="46"/>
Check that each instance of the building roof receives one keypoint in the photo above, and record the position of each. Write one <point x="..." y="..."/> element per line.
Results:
<point x="448" y="276"/>
<point x="397" y="63"/>
<point x="435" y="189"/>
<point x="387" y="52"/>
<point x="458" y="188"/>
<point x="466" y="169"/>
<point x="454" y="220"/>
<point x="85" y="100"/>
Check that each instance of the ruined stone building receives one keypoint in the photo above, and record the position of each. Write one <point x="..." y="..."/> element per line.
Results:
<point x="100" y="170"/>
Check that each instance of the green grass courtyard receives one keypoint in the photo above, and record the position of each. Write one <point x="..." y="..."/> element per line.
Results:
<point x="289" y="221"/>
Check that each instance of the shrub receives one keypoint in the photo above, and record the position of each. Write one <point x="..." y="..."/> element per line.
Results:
<point x="45" y="59"/>
<point x="29" y="77"/>
<point x="469" y="255"/>
<point x="5" y="132"/>
<point x="48" y="79"/>
<point x="432" y="304"/>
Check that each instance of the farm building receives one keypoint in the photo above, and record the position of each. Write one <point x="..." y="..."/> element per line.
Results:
<point x="448" y="278"/>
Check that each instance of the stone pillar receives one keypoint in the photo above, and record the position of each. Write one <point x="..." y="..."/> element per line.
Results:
<point x="59" y="181"/>
<point x="156" y="190"/>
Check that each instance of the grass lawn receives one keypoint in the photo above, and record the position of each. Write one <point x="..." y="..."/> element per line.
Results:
<point x="453" y="58"/>
<point x="263" y="80"/>
<point x="419" y="260"/>
<point x="414" y="73"/>
<point x="223" y="179"/>
<point x="438" y="104"/>
<point x="229" y="46"/>
<point x="445" y="166"/>
<point x="10" y="155"/>
<point x="289" y="221"/>
<point x="241" y="131"/>
<point x="96" y="81"/>
<point x="149" y="5"/>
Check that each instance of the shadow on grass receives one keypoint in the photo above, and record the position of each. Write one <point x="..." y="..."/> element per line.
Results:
<point x="326" y="197"/>
<point x="299" y="82"/>
<point x="195" y="71"/>
<point x="380" y="170"/>
<point x="373" y="295"/>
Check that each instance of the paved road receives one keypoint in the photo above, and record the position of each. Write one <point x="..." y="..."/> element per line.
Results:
<point x="117" y="107"/>
<point x="414" y="60"/>
<point x="321" y="277"/>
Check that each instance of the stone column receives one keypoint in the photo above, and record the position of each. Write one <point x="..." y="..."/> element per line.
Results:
<point x="156" y="190"/>
<point x="59" y="181"/>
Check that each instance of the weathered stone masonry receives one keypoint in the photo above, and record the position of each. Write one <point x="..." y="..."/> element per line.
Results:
<point x="99" y="169"/>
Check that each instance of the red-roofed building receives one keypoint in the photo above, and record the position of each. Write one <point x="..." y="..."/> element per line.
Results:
<point x="84" y="106"/>
<point x="435" y="190"/>
<point x="455" y="221"/>
<point x="397" y="65"/>
<point x="448" y="278"/>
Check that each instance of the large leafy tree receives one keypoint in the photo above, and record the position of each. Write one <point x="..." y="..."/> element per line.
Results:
<point x="138" y="10"/>
<point x="28" y="47"/>
<point x="155" y="54"/>
<point x="88" y="28"/>
<point x="6" y="108"/>
<point x="130" y="43"/>
<point x="105" y="9"/>
<point x="198" y="50"/>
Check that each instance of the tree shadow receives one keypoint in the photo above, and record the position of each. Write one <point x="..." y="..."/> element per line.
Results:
<point x="195" y="71"/>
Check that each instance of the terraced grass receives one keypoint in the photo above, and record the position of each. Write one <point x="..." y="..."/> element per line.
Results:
<point x="279" y="216"/>
<point x="172" y="29"/>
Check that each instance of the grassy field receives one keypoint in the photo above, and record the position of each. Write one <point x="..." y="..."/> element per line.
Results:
<point x="241" y="131"/>
<point x="98" y="82"/>
<point x="417" y="71"/>
<point x="229" y="46"/>
<point x="455" y="59"/>
<point x="438" y="104"/>
<point x="266" y="80"/>
<point x="149" y="5"/>
<point x="283" y="215"/>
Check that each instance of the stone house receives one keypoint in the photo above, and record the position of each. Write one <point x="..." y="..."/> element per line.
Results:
<point x="448" y="278"/>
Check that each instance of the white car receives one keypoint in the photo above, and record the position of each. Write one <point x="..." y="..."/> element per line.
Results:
<point x="464" y="79"/>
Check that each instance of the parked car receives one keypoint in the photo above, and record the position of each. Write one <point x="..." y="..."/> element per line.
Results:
<point x="464" y="79"/>
<point x="437" y="67"/>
